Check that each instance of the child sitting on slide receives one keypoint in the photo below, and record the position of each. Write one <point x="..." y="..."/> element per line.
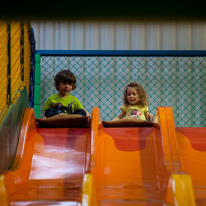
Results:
<point x="135" y="103"/>
<point x="63" y="102"/>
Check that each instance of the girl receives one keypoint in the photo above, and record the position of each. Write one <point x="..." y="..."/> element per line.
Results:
<point x="135" y="103"/>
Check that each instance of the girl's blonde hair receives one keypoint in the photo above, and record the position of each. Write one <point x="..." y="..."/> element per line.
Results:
<point x="143" y="99"/>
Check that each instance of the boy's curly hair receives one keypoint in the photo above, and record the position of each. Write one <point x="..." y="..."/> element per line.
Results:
<point x="143" y="99"/>
<point x="65" y="76"/>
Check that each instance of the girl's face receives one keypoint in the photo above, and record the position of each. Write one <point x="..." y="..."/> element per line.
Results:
<point x="132" y="95"/>
<point x="64" y="89"/>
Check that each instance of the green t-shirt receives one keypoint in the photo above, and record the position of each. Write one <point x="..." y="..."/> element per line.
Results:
<point x="133" y="111"/>
<point x="53" y="99"/>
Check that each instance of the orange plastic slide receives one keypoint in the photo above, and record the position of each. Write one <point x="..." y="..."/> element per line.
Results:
<point x="139" y="165"/>
<point x="107" y="166"/>
<point x="50" y="166"/>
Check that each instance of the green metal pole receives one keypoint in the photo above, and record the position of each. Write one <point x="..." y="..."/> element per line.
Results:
<point x="37" y="80"/>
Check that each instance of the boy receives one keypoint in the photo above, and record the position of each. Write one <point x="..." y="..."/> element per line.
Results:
<point x="63" y="102"/>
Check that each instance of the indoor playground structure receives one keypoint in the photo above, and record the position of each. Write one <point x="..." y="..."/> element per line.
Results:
<point x="72" y="160"/>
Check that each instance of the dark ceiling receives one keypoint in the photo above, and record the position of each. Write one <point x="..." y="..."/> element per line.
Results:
<point x="104" y="10"/>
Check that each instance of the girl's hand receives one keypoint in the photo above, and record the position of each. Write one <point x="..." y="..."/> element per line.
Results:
<point x="149" y="117"/>
<point x="115" y="119"/>
<point x="120" y="116"/>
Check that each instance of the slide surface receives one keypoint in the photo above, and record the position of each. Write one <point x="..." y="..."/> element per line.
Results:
<point x="192" y="146"/>
<point x="128" y="175"/>
<point x="52" y="167"/>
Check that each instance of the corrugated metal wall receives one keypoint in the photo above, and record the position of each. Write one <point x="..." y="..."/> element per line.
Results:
<point x="120" y="35"/>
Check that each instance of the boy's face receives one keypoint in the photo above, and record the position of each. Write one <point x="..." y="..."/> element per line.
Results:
<point x="64" y="88"/>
